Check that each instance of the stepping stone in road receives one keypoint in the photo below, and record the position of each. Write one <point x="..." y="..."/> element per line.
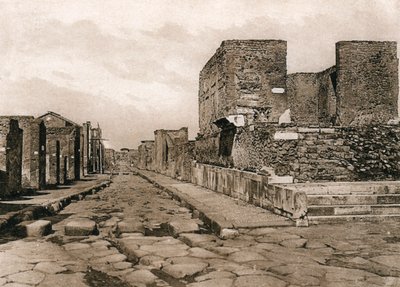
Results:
<point x="81" y="227"/>
<point x="38" y="228"/>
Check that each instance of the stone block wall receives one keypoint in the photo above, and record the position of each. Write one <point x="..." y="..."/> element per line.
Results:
<point x="312" y="98"/>
<point x="38" y="155"/>
<point x="244" y="77"/>
<point x="313" y="154"/>
<point x="109" y="160"/>
<point x="146" y="155"/>
<point x="60" y="154"/>
<point x="367" y="82"/>
<point x="185" y="154"/>
<point x="251" y="187"/>
<point x="33" y="153"/>
<point x="11" y="139"/>
<point x="166" y="144"/>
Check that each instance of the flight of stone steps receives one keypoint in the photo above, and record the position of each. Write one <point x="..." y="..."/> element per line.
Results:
<point x="345" y="201"/>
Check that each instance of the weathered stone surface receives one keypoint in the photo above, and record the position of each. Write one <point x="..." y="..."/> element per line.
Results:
<point x="49" y="267"/>
<point x="130" y="226"/>
<point x="202" y="253"/>
<point x="64" y="280"/>
<point x="7" y="267"/>
<point x="76" y="246"/>
<point x="141" y="276"/>
<point x="122" y="265"/>
<point x="182" y="270"/>
<point x="218" y="282"/>
<point x="215" y="275"/>
<point x="183" y="226"/>
<point x="152" y="260"/>
<point x="80" y="227"/>
<point x="111" y="258"/>
<point x="243" y="256"/>
<point x="228" y="233"/>
<point x="294" y="243"/>
<point x="259" y="281"/>
<point x="194" y="240"/>
<point x="185" y="260"/>
<point x="391" y="261"/>
<point x="38" y="228"/>
<point x="27" y="277"/>
<point x="224" y="250"/>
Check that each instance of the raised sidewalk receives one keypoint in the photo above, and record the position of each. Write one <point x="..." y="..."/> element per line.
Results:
<point x="50" y="201"/>
<point x="217" y="210"/>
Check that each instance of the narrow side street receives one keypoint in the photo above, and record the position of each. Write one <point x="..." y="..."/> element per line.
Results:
<point x="147" y="239"/>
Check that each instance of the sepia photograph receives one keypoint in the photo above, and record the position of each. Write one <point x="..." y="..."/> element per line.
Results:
<point x="199" y="143"/>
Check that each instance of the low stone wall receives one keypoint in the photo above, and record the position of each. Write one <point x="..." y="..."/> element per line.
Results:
<point x="311" y="154"/>
<point x="251" y="187"/>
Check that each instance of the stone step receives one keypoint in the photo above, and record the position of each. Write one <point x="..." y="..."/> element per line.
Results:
<point x="336" y="188"/>
<point x="345" y="218"/>
<point x="353" y="199"/>
<point x="333" y="210"/>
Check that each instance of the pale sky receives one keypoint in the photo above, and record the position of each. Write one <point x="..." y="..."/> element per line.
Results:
<point x="133" y="66"/>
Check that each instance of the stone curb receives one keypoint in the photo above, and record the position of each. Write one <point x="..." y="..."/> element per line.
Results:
<point x="216" y="222"/>
<point x="47" y="209"/>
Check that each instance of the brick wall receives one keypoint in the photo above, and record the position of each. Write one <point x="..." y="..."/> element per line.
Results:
<point x="367" y="82"/>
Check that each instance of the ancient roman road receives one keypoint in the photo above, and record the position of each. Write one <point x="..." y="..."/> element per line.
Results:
<point x="147" y="239"/>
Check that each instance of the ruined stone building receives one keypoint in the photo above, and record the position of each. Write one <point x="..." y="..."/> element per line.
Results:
<point x="33" y="151"/>
<point x="125" y="158"/>
<point x="173" y="153"/>
<point x="109" y="160"/>
<point x="10" y="157"/>
<point x="338" y="129"/>
<point x="96" y="156"/>
<point x="62" y="149"/>
<point x="146" y="155"/>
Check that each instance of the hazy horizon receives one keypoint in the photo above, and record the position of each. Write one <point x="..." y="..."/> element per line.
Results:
<point x="133" y="66"/>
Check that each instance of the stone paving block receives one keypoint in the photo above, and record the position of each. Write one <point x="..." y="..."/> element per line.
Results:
<point x="259" y="281"/>
<point x="76" y="246"/>
<point x="177" y="227"/>
<point x="16" y="285"/>
<point x="130" y="226"/>
<point x="179" y="271"/>
<point x="294" y="243"/>
<point x="27" y="277"/>
<point x="152" y="260"/>
<point x="194" y="240"/>
<point x="8" y="267"/>
<point x="243" y="256"/>
<point x="64" y="280"/>
<point x="215" y="275"/>
<point x="228" y="233"/>
<point x="49" y="267"/>
<point x="185" y="260"/>
<point x="122" y="265"/>
<point x="38" y="228"/>
<point x="114" y="258"/>
<point x="81" y="227"/>
<point x="141" y="276"/>
<point x="218" y="282"/>
<point x="202" y="253"/>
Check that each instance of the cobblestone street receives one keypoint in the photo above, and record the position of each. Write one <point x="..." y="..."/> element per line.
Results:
<point x="147" y="239"/>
